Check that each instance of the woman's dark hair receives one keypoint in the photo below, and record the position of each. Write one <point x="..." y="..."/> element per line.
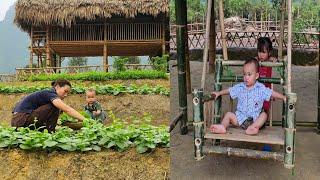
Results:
<point x="253" y="61"/>
<point x="60" y="82"/>
<point x="264" y="43"/>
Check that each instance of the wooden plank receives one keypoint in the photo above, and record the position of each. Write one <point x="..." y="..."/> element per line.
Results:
<point x="269" y="135"/>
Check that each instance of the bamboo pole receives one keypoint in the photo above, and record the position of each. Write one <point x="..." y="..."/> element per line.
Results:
<point x="105" y="49"/>
<point x="222" y="29"/>
<point x="289" y="47"/>
<point x="243" y="152"/>
<point x="318" y="127"/>
<point x="31" y="48"/>
<point x="181" y="8"/>
<point x="290" y="130"/>
<point x="198" y="123"/>
<point x="240" y="79"/>
<point x="212" y="42"/>
<point x="282" y="14"/>
<point x="217" y="87"/>
<point x="261" y="63"/>
<point x="48" y="53"/>
<point x="205" y="51"/>
<point x="188" y="76"/>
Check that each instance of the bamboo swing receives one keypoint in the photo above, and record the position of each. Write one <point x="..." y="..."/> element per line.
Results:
<point x="283" y="136"/>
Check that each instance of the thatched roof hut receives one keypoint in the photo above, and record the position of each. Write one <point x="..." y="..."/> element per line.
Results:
<point x="73" y="28"/>
<point x="66" y="12"/>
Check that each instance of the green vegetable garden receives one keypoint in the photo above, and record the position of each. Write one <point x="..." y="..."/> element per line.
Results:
<point x="134" y="128"/>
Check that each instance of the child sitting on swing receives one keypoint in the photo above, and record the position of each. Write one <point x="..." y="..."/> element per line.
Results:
<point x="250" y="95"/>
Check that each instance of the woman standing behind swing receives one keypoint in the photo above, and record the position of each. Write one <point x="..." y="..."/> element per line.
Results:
<point x="44" y="106"/>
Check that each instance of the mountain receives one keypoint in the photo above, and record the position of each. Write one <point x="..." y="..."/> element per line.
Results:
<point x="13" y="44"/>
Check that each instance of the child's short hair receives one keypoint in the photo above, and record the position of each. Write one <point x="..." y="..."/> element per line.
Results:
<point x="90" y="90"/>
<point x="264" y="43"/>
<point x="253" y="61"/>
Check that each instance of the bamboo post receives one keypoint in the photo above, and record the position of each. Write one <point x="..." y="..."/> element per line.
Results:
<point x="31" y="48"/>
<point x="289" y="47"/>
<point x="318" y="126"/>
<point x="105" y="50"/>
<point x="205" y="51"/>
<point x="181" y="8"/>
<point x="48" y="53"/>
<point x="290" y="130"/>
<point x="217" y="87"/>
<point x="198" y="123"/>
<point x="188" y="77"/>
<point x="212" y="42"/>
<point x="222" y="29"/>
<point x="282" y="14"/>
<point x="284" y="89"/>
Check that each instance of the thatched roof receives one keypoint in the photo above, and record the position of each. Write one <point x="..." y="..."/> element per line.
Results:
<point x="65" y="12"/>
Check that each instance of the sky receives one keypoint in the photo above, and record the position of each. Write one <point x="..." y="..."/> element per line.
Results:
<point x="4" y="7"/>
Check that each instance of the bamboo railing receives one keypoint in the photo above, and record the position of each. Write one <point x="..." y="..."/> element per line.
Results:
<point x="114" y="32"/>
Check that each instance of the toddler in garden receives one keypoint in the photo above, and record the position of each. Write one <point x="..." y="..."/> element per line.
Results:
<point x="250" y="95"/>
<point x="93" y="107"/>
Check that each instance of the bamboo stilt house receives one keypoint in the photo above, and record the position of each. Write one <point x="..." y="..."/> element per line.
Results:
<point x="75" y="28"/>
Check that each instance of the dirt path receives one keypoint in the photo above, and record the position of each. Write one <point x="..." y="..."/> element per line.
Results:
<point x="183" y="165"/>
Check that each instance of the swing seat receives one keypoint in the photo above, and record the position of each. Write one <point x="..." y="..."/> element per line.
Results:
<point x="268" y="135"/>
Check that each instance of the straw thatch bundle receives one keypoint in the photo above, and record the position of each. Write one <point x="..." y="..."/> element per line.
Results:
<point x="65" y="12"/>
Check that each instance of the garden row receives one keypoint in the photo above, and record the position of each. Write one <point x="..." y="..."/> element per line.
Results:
<point x="112" y="89"/>
<point x="92" y="136"/>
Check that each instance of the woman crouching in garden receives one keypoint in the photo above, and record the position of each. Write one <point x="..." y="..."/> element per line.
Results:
<point x="44" y="106"/>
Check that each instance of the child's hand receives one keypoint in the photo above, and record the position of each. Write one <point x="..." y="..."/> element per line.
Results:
<point x="215" y="94"/>
<point x="96" y="113"/>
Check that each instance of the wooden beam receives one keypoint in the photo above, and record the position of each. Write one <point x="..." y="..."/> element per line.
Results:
<point x="212" y="42"/>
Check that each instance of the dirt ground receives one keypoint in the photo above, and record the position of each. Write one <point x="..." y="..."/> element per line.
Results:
<point x="307" y="164"/>
<point x="19" y="164"/>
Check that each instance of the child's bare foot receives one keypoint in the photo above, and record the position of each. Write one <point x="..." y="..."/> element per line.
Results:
<point x="218" y="129"/>
<point x="251" y="130"/>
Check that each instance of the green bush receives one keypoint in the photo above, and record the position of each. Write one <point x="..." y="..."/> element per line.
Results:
<point x="159" y="63"/>
<point x="119" y="63"/>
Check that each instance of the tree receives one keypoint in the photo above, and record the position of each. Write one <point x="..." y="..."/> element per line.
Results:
<point x="77" y="61"/>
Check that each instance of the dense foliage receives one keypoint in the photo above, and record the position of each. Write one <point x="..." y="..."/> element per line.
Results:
<point x="305" y="12"/>
<point x="160" y="63"/>
<point x="92" y="136"/>
<point x="100" y="76"/>
<point x="112" y="89"/>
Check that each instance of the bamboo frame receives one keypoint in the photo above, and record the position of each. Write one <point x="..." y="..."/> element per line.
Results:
<point x="243" y="153"/>
<point x="222" y="29"/>
<point x="181" y="31"/>
<point x="206" y="47"/>
<point x="290" y="129"/>
<point x="198" y="123"/>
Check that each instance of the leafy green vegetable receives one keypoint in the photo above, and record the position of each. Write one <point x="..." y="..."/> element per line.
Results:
<point x="93" y="136"/>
